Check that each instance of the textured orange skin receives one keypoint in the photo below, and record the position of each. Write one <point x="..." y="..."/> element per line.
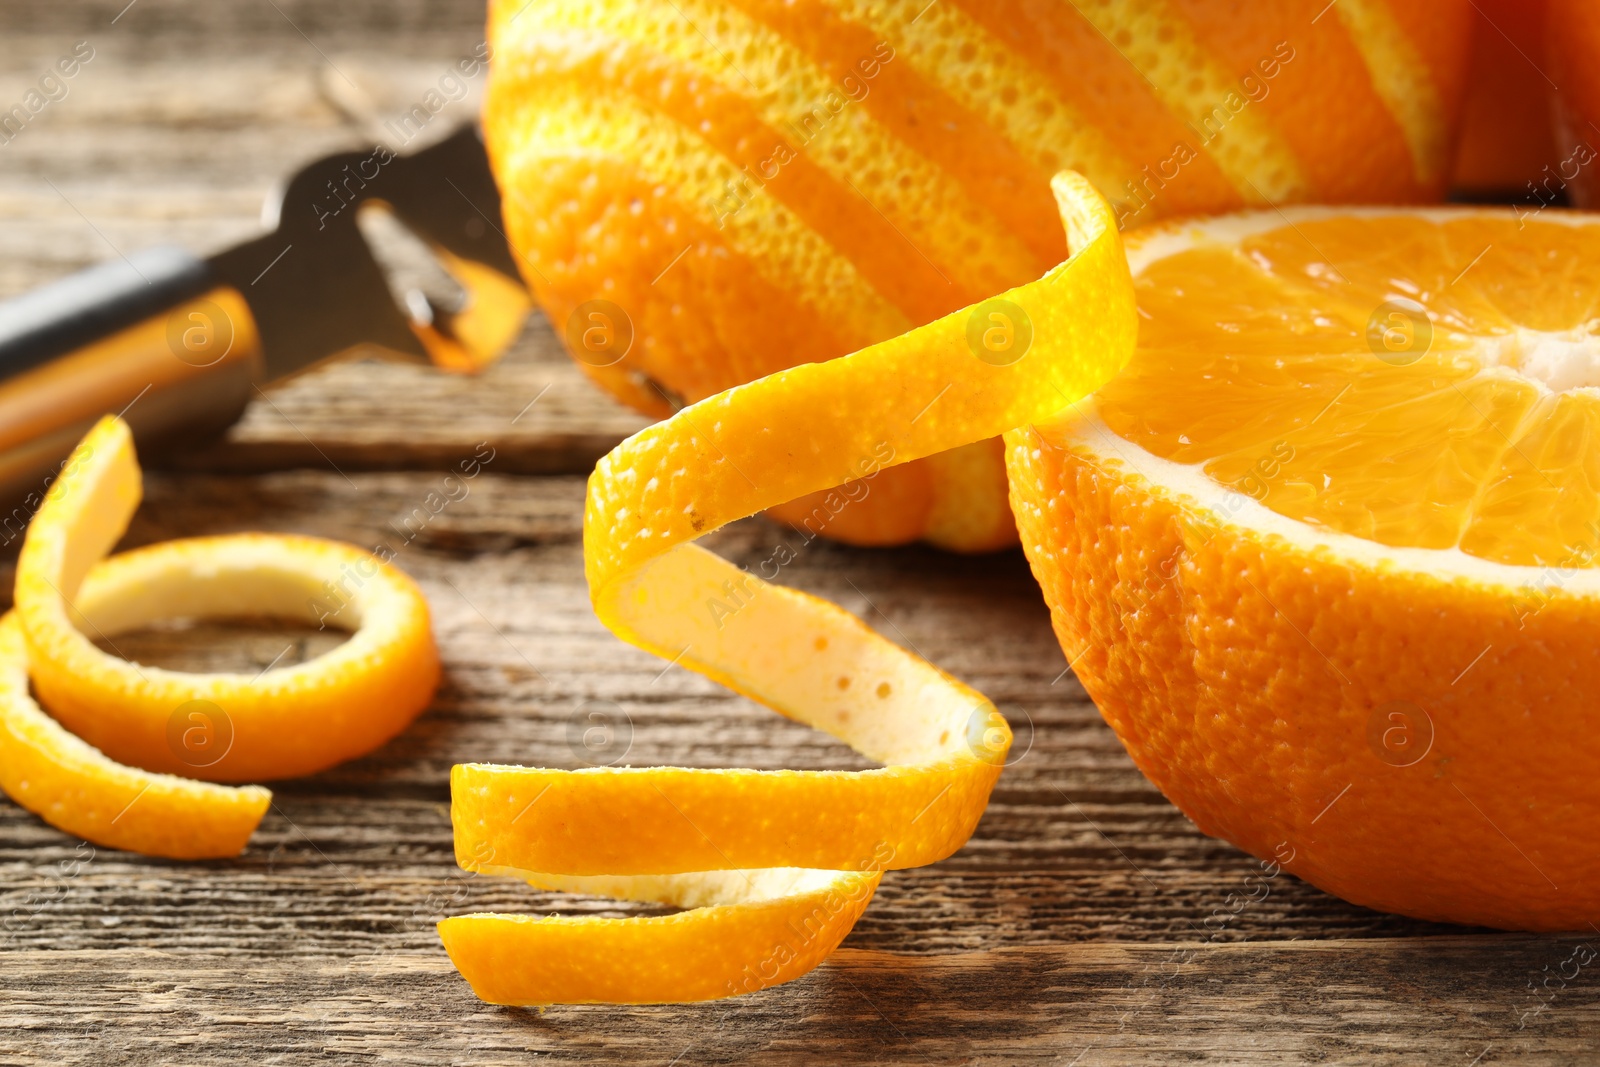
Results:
<point x="288" y="720"/>
<point x="1230" y="708"/>
<point x="1068" y="50"/>
<point x="905" y="496"/>
<point x="675" y="342"/>
<point x="86" y="795"/>
<point x="667" y="958"/>
<point x="1506" y="136"/>
<point x="667" y="834"/>
<point x="593" y="227"/>
<point x="669" y="820"/>
<point x="1323" y="101"/>
<point x="355" y="710"/>
<point x="1572" y="45"/>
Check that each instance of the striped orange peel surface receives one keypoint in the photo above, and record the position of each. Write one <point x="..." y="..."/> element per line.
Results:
<point x="774" y="867"/>
<point x="117" y="762"/>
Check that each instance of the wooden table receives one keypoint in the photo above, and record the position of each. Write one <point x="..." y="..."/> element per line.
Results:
<point x="1072" y="929"/>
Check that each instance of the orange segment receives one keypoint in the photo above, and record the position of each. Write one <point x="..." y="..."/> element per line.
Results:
<point x="287" y="721"/>
<point x="1276" y="356"/>
<point x="957" y="380"/>
<point x="1326" y="559"/>
<point x="76" y="789"/>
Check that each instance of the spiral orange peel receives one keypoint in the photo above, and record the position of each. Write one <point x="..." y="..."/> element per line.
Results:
<point x="280" y="723"/>
<point x="774" y="867"/>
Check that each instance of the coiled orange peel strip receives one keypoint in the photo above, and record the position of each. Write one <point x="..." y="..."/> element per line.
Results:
<point x="775" y="866"/>
<point x="283" y="722"/>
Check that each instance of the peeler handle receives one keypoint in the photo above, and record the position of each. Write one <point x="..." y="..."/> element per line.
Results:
<point x="154" y="336"/>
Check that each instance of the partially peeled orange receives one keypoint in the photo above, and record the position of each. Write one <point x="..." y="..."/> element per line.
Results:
<point x="706" y="191"/>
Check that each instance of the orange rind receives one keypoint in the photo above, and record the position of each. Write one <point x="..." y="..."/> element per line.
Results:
<point x="745" y="931"/>
<point x="775" y="866"/>
<point x="1571" y="44"/>
<point x="73" y="786"/>
<point x="280" y="723"/>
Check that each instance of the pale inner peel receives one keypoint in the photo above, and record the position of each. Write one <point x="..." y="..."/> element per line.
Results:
<point x="75" y="787"/>
<point x="285" y="721"/>
<point x="944" y="743"/>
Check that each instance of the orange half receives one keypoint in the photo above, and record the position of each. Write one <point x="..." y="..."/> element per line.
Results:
<point x="1325" y="553"/>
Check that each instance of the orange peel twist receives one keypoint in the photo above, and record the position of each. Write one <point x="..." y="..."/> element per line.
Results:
<point x="107" y="766"/>
<point x="774" y="867"/>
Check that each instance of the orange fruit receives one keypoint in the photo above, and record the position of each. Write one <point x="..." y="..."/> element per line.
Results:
<point x="707" y="191"/>
<point x="1324" y="553"/>
<point x="225" y="727"/>
<point x="775" y="866"/>
<point x="1506" y="136"/>
<point x="1572" y="46"/>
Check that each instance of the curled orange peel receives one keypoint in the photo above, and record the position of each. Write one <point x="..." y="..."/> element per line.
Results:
<point x="774" y="867"/>
<point x="107" y="766"/>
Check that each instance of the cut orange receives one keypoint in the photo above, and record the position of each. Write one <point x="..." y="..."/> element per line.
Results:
<point x="653" y="833"/>
<point x="226" y="727"/>
<point x="1324" y="554"/>
<point x="707" y="191"/>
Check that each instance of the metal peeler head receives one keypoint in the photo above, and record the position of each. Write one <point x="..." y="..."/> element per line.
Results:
<point x="317" y="289"/>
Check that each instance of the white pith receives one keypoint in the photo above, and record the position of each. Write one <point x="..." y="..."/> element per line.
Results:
<point x="1082" y="427"/>
<point x="1147" y="244"/>
<point x="1561" y="360"/>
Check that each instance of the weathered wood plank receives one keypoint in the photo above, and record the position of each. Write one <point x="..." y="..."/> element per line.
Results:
<point x="1435" y="1000"/>
<point x="1068" y="930"/>
<point x="1076" y="844"/>
<point x="534" y="410"/>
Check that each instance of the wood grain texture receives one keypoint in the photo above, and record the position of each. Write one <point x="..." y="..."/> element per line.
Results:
<point x="1376" y="1002"/>
<point x="1087" y="921"/>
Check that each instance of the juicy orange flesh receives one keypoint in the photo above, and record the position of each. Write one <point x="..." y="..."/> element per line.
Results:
<point x="1256" y="361"/>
